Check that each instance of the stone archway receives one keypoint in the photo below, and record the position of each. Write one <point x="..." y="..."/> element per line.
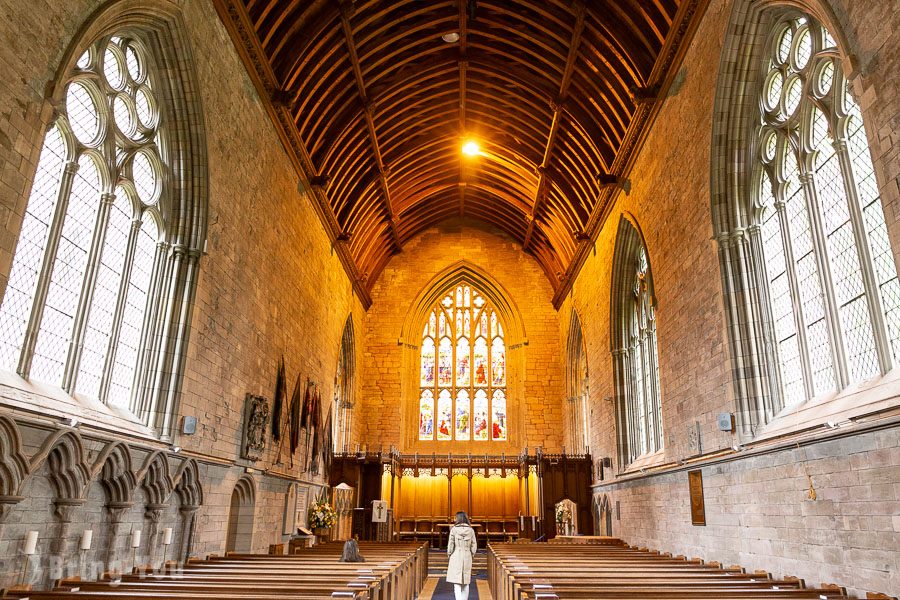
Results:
<point x="240" y="517"/>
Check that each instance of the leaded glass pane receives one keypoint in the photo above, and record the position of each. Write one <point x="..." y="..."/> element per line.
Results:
<point x="463" y="370"/>
<point x="445" y="416"/>
<point x="462" y="415"/>
<point x="426" y="415"/>
<point x="481" y="362"/>
<point x="67" y="277"/>
<point x="133" y="318"/>
<point x="445" y="362"/>
<point x="101" y="315"/>
<point x="20" y="289"/>
<point x="81" y="109"/>
<point x="498" y="416"/>
<point x="427" y="375"/>
<point x="480" y="412"/>
<point x="498" y="362"/>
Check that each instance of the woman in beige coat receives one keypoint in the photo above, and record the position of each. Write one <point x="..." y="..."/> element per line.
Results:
<point x="461" y="546"/>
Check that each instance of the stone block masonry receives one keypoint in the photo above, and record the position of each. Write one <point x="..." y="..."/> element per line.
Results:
<point x="758" y="510"/>
<point x="268" y="285"/>
<point x="389" y="409"/>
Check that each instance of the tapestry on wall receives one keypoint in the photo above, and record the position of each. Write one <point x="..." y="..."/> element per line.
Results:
<point x="278" y="400"/>
<point x="295" y="419"/>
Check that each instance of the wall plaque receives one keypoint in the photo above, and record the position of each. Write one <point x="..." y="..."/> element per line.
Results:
<point x="256" y="422"/>
<point x="698" y="508"/>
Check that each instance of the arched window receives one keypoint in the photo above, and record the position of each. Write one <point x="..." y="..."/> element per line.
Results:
<point x="462" y="373"/>
<point x="92" y="263"/>
<point x="833" y="292"/>
<point x="343" y="389"/>
<point x="636" y="365"/>
<point x="577" y="386"/>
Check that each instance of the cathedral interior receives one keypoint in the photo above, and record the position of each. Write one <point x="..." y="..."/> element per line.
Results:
<point x="617" y="278"/>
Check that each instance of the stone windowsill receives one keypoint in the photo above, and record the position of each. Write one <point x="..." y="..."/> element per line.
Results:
<point x="858" y="400"/>
<point x="42" y="400"/>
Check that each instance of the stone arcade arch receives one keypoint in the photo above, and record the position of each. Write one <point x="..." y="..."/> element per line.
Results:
<point x="240" y="516"/>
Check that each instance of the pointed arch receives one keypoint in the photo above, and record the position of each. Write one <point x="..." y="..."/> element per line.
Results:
<point x="239" y="537"/>
<point x="633" y="345"/>
<point x="479" y="404"/>
<point x="162" y="27"/>
<point x="114" y="329"/>
<point x="67" y="468"/>
<point x="577" y="385"/>
<point x="187" y="484"/>
<point x="154" y="478"/>
<point x="805" y="319"/>
<point x="113" y="469"/>
<point x="344" y="389"/>
<point x="14" y="466"/>
<point x="463" y="271"/>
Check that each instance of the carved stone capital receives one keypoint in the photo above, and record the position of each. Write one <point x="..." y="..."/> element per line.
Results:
<point x="118" y="510"/>
<point x="7" y="503"/>
<point x="154" y="512"/>
<point x="64" y="509"/>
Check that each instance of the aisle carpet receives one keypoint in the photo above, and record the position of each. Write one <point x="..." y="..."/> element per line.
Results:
<point x="444" y="591"/>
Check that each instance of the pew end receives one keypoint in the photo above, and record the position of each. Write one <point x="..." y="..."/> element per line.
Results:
<point x="878" y="596"/>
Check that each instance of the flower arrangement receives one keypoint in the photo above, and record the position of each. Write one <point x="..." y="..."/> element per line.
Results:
<point x="322" y="515"/>
<point x="563" y="514"/>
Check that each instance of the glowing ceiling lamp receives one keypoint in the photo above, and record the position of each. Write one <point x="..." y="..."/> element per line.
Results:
<point x="471" y="148"/>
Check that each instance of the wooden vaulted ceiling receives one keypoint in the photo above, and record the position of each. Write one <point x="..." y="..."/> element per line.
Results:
<point x="373" y="106"/>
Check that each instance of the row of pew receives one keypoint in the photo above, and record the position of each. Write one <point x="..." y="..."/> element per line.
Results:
<point x="609" y="569"/>
<point x="392" y="571"/>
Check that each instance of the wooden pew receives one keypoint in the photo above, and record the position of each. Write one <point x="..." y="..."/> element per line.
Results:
<point x="606" y="568"/>
<point x="393" y="572"/>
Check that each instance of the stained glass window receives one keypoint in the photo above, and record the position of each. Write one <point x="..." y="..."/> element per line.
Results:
<point x="84" y="266"/>
<point x="463" y="335"/>
<point x="833" y="290"/>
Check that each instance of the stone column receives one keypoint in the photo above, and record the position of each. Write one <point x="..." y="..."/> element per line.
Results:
<point x="117" y="512"/>
<point x="153" y="514"/>
<point x="188" y="529"/>
<point x="7" y="503"/>
<point x="64" y="510"/>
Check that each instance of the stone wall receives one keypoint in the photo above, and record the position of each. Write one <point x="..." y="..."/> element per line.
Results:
<point x="268" y="285"/>
<point x="758" y="508"/>
<point x="824" y="512"/>
<point x="389" y="410"/>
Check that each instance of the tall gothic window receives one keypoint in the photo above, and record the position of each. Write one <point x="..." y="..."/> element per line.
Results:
<point x="76" y="311"/>
<point x="343" y="389"/>
<point x="833" y="292"/>
<point x="463" y="370"/>
<point x="639" y="414"/>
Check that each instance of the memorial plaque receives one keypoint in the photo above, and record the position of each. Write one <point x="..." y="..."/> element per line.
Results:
<point x="698" y="508"/>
